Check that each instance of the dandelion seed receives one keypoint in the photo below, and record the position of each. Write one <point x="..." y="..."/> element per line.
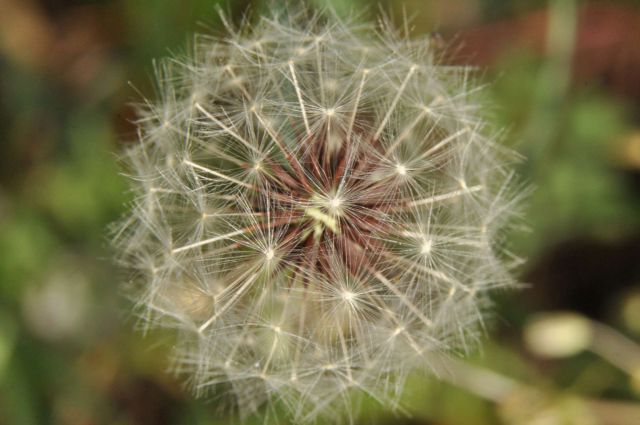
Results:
<point x="269" y="254"/>
<point x="348" y="296"/>
<point x="317" y="213"/>
<point x="401" y="170"/>
<point x="334" y="204"/>
<point x="426" y="247"/>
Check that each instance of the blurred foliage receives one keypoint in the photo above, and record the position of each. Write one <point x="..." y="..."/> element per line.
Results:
<point x="67" y="351"/>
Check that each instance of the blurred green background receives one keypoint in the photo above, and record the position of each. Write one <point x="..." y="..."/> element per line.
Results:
<point x="565" y="86"/>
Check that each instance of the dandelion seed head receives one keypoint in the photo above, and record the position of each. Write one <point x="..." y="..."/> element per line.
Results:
<point x="319" y="212"/>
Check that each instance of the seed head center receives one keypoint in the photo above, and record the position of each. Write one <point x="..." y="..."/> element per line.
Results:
<point x="335" y="203"/>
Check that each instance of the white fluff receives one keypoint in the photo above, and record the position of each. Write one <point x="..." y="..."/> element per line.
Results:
<point x="318" y="212"/>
